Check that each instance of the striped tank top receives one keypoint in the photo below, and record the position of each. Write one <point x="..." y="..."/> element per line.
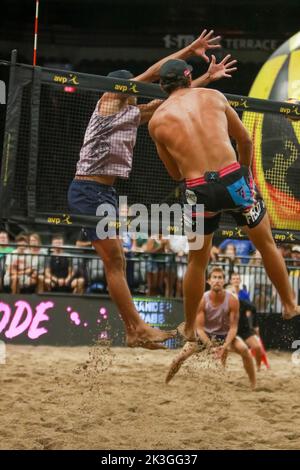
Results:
<point x="108" y="143"/>
<point x="216" y="317"/>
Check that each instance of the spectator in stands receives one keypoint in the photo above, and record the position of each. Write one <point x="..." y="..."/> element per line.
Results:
<point x="38" y="260"/>
<point x="4" y="250"/>
<point x="243" y="248"/>
<point x="169" y="272"/>
<point x="89" y="270"/>
<point x="156" y="265"/>
<point x="260" y="288"/>
<point x="235" y="286"/>
<point x="96" y="275"/>
<point x="139" y="245"/>
<point x="179" y="245"/>
<point x="59" y="270"/>
<point x="295" y="255"/>
<point x="214" y="253"/>
<point x="127" y="242"/>
<point x="79" y="277"/>
<point x="228" y="259"/>
<point x="19" y="275"/>
<point x="285" y="250"/>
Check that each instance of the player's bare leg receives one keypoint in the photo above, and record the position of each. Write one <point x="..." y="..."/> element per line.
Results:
<point x="194" y="285"/>
<point x="138" y="333"/>
<point x="253" y="343"/>
<point x="241" y="348"/>
<point x="188" y="350"/>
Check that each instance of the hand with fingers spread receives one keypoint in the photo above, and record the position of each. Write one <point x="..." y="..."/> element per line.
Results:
<point x="204" y="42"/>
<point x="221" y="69"/>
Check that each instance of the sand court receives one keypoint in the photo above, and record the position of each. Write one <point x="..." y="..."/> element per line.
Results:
<point x="102" y="398"/>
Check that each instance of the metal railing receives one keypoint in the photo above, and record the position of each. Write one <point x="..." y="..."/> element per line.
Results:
<point x="81" y="271"/>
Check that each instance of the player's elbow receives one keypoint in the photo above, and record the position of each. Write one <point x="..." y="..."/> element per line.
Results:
<point x="245" y="140"/>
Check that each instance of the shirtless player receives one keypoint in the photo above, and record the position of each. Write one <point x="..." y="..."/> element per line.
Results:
<point x="192" y="131"/>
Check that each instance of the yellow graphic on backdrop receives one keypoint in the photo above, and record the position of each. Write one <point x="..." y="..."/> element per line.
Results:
<point x="278" y="174"/>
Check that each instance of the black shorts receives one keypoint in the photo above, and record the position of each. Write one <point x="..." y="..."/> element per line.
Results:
<point x="245" y="333"/>
<point x="231" y="189"/>
<point x="215" y="338"/>
<point x="84" y="197"/>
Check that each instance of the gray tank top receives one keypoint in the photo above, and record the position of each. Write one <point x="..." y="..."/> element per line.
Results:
<point x="217" y="318"/>
<point x="108" y="143"/>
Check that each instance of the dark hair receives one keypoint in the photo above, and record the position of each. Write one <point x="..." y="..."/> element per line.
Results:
<point x="234" y="274"/>
<point x="58" y="236"/>
<point x="216" y="269"/>
<point x="171" y="85"/>
<point x="22" y="237"/>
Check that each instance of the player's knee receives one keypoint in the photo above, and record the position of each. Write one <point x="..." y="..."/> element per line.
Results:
<point x="244" y="352"/>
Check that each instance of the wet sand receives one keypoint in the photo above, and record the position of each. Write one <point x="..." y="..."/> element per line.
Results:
<point x="101" y="398"/>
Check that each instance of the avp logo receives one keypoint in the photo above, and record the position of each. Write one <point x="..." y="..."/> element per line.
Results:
<point x="2" y="92"/>
<point x="64" y="80"/>
<point x="242" y="103"/>
<point x="125" y="88"/>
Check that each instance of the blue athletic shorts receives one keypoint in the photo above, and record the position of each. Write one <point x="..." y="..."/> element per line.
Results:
<point x="85" y="196"/>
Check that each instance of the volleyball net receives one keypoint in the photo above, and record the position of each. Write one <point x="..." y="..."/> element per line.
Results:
<point x="47" y="114"/>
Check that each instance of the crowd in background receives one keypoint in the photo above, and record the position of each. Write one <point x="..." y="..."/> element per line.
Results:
<point x="155" y="266"/>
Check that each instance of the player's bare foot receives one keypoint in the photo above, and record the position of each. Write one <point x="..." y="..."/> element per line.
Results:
<point x="145" y="344"/>
<point x="289" y="314"/>
<point x="187" y="335"/>
<point x="149" y="338"/>
<point x="253" y="385"/>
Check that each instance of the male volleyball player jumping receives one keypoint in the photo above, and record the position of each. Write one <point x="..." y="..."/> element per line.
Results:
<point x="192" y="131"/>
<point x="107" y="154"/>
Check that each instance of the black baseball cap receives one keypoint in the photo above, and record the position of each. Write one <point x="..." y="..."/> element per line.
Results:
<point x="126" y="74"/>
<point x="173" y="69"/>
